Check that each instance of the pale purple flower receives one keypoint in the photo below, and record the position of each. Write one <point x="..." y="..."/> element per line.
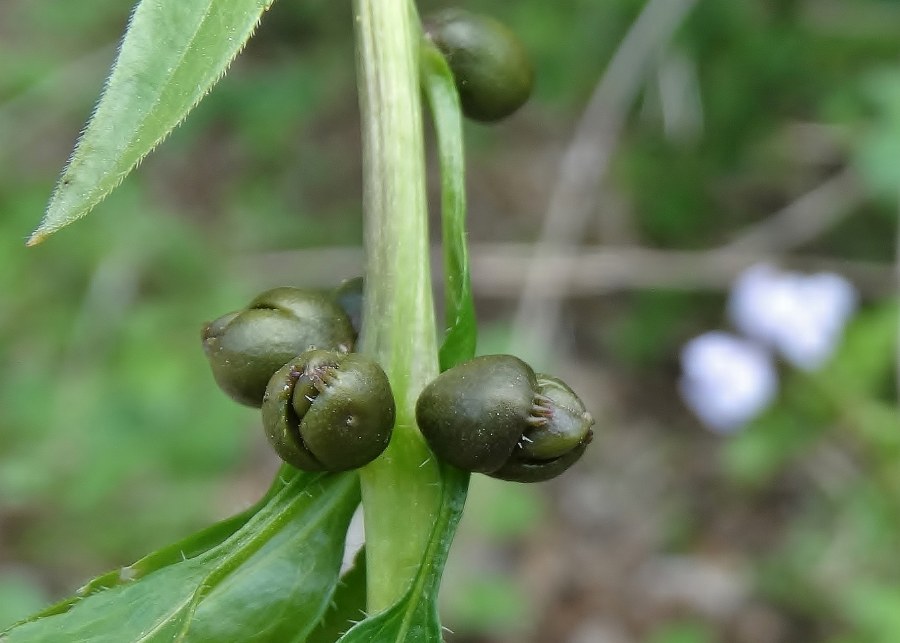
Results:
<point x="726" y="381"/>
<point x="801" y="316"/>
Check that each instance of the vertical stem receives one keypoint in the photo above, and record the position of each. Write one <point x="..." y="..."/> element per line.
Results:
<point x="400" y="490"/>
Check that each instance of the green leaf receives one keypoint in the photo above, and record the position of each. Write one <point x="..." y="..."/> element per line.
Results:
<point x="348" y="605"/>
<point x="270" y="581"/>
<point x="188" y="548"/>
<point x="440" y="92"/>
<point x="173" y="52"/>
<point x="414" y="618"/>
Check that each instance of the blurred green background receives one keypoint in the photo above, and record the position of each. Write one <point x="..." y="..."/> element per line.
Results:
<point x="114" y="439"/>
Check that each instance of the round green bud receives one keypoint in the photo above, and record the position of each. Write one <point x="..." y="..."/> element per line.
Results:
<point x="329" y="411"/>
<point x="246" y="347"/>
<point x="495" y="415"/>
<point x="493" y="73"/>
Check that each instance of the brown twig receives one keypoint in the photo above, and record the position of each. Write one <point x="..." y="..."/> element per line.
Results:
<point x="500" y="270"/>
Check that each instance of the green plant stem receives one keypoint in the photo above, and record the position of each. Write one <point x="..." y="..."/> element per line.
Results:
<point x="401" y="490"/>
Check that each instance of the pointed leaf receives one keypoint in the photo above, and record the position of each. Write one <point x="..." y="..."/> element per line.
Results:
<point x="173" y="52"/>
<point x="440" y="92"/>
<point x="271" y="581"/>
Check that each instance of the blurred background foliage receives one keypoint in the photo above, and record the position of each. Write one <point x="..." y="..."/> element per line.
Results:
<point x="114" y="439"/>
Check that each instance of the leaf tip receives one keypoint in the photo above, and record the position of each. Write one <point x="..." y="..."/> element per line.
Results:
<point x="38" y="236"/>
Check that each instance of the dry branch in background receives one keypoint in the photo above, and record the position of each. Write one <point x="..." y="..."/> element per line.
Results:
<point x="500" y="270"/>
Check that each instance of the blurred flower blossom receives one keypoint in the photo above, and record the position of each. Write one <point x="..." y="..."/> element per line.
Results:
<point x="727" y="381"/>
<point x="801" y="316"/>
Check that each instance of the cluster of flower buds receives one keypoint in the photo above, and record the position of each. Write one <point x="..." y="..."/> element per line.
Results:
<point x="326" y="408"/>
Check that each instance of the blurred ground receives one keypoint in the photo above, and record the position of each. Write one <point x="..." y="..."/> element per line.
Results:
<point x="670" y="145"/>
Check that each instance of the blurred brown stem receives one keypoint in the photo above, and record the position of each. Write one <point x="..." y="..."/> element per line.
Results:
<point x="499" y="270"/>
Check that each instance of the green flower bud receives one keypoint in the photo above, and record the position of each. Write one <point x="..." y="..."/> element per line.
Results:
<point x="494" y="415"/>
<point x="329" y="411"/>
<point x="493" y="73"/>
<point x="246" y="347"/>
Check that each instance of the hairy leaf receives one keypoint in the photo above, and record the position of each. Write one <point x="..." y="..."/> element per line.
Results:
<point x="173" y="52"/>
<point x="440" y="91"/>
<point x="270" y="581"/>
<point x="189" y="547"/>
<point x="414" y="618"/>
<point x="348" y="605"/>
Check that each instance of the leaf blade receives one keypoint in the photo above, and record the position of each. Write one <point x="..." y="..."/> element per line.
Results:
<point x="414" y="618"/>
<point x="443" y="100"/>
<point x="172" y="54"/>
<point x="348" y="604"/>
<point x="238" y="590"/>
